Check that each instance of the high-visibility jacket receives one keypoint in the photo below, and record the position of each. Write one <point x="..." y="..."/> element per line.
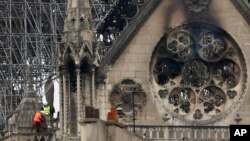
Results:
<point x="38" y="117"/>
<point x="46" y="110"/>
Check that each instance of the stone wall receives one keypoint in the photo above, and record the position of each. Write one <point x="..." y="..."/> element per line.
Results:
<point x="97" y="130"/>
<point x="134" y="61"/>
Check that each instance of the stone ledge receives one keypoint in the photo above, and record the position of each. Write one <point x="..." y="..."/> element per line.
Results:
<point x="89" y="120"/>
<point x="107" y="123"/>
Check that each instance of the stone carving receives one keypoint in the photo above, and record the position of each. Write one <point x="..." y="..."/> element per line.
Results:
<point x="123" y="94"/>
<point x="181" y="44"/>
<point x="227" y="72"/>
<point x="203" y="77"/>
<point x="182" y="97"/>
<point x="165" y="70"/>
<point x="197" y="114"/>
<point x="211" y="47"/>
<point x="212" y="97"/>
<point x="231" y="94"/>
<point x="195" y="73"/>
<point x="197" y="5"/>
<point x="163" y="93"/>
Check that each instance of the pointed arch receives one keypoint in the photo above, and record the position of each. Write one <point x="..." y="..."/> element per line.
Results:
<point x="68" y="51"/>
<point x="85" y="51"/>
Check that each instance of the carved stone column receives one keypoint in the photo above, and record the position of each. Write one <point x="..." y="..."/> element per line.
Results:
<point x="61" y="100"/>
<point x="87" y="90"/>
<point x="83" y="97"/>
<point x="79" y="105"/>
<point x="65" y="103"/>
<point x="93" y="88"/>
<point x="102" y="94"/>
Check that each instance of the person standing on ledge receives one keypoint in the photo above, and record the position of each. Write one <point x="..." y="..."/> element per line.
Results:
<point x="48" y="112"/>
<point x="39" y="121"/>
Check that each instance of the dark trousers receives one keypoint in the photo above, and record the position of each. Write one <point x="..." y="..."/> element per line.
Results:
<point x="38" y="126"/>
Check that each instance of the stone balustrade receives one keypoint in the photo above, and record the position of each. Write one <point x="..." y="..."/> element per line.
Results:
<point x="188" y="133"/>
<point x="27" y="137"/>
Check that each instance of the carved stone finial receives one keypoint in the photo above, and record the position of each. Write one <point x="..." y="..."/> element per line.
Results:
<point x="197" y="6"/>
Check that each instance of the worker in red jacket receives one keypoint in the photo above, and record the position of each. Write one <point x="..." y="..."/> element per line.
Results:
<point x="38" y="121"/>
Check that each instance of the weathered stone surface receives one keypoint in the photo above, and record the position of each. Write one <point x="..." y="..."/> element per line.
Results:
<point x="137" y="55"/>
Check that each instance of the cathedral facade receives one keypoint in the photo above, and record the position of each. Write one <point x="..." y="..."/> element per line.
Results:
<point x="172" y="69"/>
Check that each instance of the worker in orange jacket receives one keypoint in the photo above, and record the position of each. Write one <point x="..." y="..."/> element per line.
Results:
<point x="38" y="121"/>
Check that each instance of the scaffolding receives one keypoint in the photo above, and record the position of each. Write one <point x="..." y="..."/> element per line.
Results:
<point x="29" y="31"/>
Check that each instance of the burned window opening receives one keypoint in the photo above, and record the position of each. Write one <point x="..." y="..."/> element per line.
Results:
<point x="85" y="67"/>
<point x="116" y="21"/>
<point x="72" y="75"/>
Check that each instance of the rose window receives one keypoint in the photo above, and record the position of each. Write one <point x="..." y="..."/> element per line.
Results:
<point x="198" y="73"/>
<point x="126" y="96"/>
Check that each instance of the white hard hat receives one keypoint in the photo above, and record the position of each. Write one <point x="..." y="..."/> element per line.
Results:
<point x="45" y="103"/>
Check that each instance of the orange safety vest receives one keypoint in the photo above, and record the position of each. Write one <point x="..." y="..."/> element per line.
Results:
<point x="38" y="117"/>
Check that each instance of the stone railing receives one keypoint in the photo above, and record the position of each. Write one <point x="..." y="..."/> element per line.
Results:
<point x="187" y="133"/>
<point x="27" y="137"/>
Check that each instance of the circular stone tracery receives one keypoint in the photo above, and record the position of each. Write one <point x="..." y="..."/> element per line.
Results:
<point x="227" y="72"/>
<point x="199" y="73"/>
<point x="213" y="99"/>
<point x="183" y="99"/>
<point x="195" y="73"/>
<point x="211" y="47"/>
<point x="122" y="97"/>
<point x="181" y="45"/>
<point x="166" y="69"/>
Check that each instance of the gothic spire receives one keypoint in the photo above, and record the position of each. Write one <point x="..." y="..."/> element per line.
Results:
<point x="78" y="32"/>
